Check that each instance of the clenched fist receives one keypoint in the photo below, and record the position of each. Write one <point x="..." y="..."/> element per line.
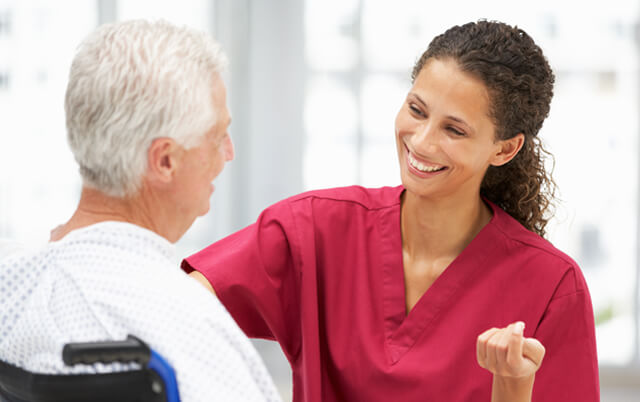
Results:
<point x="507" y="353"/>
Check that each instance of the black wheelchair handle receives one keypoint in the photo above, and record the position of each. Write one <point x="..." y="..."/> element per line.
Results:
<point x="130" y="350"/>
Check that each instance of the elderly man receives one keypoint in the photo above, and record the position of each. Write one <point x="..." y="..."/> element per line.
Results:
<point x="148" y="125"/>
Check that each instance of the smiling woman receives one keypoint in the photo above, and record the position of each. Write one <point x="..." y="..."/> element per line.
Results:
<point x="444" y="130"/>
<point x="516" y="101"/>
<point x="446" y="142"/>
<point x="439" y="289"/>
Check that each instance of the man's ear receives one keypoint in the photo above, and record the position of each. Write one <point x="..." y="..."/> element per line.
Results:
<point x="162" y="160"/>
<point x="508" y="149"/>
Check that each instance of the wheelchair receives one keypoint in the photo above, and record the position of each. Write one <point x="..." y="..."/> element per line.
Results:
<point x="155" y="381"/>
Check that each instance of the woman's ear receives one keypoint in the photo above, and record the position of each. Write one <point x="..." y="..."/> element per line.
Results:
<point x="508" y="149"/>
<point x="162" y="160"/>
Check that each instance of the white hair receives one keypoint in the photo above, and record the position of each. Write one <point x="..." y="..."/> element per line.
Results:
<point x="131" y="82"/>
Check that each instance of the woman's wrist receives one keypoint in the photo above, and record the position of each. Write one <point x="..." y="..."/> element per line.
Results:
<point x="512" y="389"/>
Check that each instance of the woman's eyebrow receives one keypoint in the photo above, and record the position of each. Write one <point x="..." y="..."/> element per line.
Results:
<point x="418" y="98"/>
<point x="459" y="120"/>
<point x="450" y="117"/>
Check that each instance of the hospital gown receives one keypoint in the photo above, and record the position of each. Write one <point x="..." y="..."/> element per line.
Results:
<point x="112" y="279"/>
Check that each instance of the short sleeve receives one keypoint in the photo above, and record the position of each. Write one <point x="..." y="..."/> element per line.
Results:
<point x="569" y="371"/>
<point x="254" y="274"/>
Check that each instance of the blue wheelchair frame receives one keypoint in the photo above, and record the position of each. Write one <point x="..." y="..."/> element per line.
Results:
<point x="155" y="381"/>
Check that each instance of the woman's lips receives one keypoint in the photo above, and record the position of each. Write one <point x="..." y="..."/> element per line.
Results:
<point x="422" y="168"/>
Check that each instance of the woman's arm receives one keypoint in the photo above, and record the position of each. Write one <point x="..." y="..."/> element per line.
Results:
<point x="203" y="281"/>
<point x="253" y="273"/>
<point x="513" y="360"/>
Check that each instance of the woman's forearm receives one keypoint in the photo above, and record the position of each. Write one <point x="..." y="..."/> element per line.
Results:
<point x="510" y="389"/>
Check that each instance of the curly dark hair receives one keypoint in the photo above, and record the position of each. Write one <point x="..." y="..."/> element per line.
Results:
<point x="520" y="85"/>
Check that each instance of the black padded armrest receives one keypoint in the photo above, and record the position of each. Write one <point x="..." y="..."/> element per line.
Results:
<point x="130" y="350"/>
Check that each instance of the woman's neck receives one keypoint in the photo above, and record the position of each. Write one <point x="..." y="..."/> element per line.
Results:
<point x="432" y="228"/>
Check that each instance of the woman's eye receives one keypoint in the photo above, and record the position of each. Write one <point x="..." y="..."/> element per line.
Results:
<point x="455" y="131"/>
<point x="416" y="110"/>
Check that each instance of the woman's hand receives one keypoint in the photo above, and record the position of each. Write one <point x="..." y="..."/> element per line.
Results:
<point x="513" y="360"/>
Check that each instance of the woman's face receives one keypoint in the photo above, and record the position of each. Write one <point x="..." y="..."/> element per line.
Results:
<point x="444" y="135"/>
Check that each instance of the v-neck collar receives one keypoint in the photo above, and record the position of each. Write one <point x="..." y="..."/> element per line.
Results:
<point x="401" y="329"/>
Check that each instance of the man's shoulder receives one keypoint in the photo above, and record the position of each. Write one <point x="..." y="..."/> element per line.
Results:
<point x="11" y="247"/>
<point x="21" y="269"/>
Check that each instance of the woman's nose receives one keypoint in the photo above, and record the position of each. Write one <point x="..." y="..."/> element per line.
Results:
<point x="426" y="138"/>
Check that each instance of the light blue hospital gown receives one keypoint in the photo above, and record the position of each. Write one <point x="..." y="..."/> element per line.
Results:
<point x="112" y="279"/>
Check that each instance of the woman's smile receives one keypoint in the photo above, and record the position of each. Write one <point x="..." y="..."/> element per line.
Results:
<point x="420" y="167"/>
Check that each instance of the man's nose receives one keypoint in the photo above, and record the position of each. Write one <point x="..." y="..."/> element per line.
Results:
<point x="229" y="151"/>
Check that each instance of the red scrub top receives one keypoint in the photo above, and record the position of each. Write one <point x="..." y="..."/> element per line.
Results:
<point x="322" y="274"/>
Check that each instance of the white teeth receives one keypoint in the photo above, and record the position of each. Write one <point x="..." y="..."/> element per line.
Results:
<point x="422" y="167"/>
